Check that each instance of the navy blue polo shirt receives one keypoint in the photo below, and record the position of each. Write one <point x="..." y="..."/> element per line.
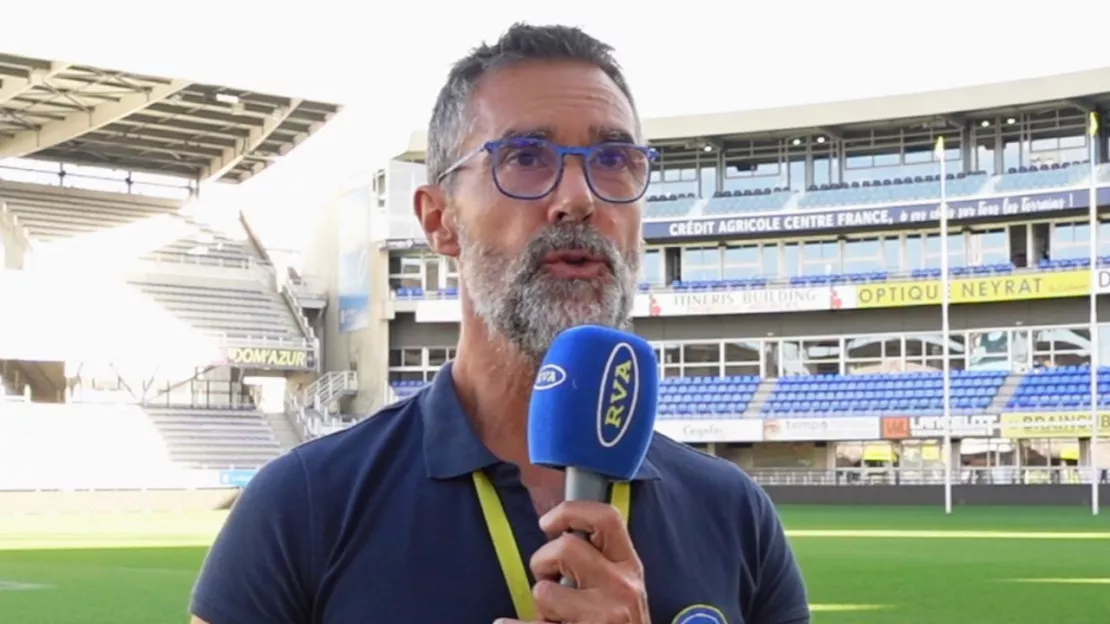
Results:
<point x="380" y="523"/>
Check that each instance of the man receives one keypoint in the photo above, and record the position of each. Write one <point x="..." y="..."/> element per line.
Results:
<point x="430" y="512"/>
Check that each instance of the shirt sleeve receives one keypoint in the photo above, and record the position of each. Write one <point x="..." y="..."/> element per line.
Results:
<point x="780" y="591"/>
<point x="258" y="570"/>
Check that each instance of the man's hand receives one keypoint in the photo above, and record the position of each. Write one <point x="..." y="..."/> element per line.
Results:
<point x="607" y="571"/>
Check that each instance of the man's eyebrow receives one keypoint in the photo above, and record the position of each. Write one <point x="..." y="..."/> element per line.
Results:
<point x="600" y="134"/>
<point x="611" y="134"/>
<point x="541" y="132"/>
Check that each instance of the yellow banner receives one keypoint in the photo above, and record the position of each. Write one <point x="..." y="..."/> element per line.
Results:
<point x="1073" y="424"/>
<point x="976" y="289"/>
<point x="271" y="358"/>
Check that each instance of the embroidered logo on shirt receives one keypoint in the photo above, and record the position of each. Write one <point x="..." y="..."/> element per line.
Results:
<point x="700" y="614"/>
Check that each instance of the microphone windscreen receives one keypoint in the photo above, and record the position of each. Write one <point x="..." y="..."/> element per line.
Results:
<point x="593" y="403"/>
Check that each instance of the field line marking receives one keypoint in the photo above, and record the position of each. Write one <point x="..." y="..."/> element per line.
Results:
<point x="949" y="534"/>
<point x="17" y="586"/>
<point x="1060" y="581"/>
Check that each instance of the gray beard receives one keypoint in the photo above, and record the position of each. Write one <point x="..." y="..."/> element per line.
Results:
<point x="520" y="301"/>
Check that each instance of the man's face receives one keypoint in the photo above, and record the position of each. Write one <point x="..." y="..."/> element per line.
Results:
<point x="521" y="261"/>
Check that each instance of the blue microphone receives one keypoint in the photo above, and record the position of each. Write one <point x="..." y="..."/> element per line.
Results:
<point x="592" y="412"/>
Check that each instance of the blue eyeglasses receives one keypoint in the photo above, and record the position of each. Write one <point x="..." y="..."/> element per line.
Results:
<point x="531" y="168"/>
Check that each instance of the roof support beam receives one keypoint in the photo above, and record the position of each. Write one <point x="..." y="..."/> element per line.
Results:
<point x="232" y="156"/>
<point x="955" y="121"/>
<point x="14" y="87"/>
<point x="1082" y="104"/>
<point x="80" y="122"/>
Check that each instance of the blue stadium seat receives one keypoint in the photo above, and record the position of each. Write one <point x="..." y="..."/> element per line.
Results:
<point x="917" y="393"/>
<point x="1022" y="179"/>
<point x="736" y="202"/>
<point x="1061" y="387"/>
<point x="706" y="397"/>
<point x="892" y="191"/>
<point x="670" y="206"/>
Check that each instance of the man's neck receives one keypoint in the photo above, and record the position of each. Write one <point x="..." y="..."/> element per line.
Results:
<point x="494" y="384"/>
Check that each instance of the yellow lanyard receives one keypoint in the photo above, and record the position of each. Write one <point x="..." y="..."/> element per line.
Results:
<point x="504" y="543"/>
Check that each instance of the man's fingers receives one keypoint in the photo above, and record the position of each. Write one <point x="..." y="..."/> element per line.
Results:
<point x="602" y="522"/>
<point x="571" y="556"/>
<point x="556" y="603"/>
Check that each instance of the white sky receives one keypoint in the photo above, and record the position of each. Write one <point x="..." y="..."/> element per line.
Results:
<point x="385" y="61"/>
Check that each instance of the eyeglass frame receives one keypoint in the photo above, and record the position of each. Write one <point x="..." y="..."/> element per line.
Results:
<point x="561" y="152"/>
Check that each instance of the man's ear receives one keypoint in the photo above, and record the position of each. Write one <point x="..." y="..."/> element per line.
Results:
<point x="429" y="202"/>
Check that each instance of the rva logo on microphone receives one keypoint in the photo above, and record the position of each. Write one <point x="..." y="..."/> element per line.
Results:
<point x="617" y="399"/>
<point x="550" y="376"/>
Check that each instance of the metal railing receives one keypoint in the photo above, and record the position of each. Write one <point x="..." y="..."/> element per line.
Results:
<point x="177" y="259"/>
<point x="315" y="409"/>
<point x="988" y="475"/>
<point x="249" y="341"/>
<point x="323" y="392"/>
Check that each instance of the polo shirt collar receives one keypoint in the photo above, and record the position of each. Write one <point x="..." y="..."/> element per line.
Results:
<point x="451" y="446"/>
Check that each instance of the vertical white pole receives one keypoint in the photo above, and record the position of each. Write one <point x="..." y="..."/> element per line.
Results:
<point x="945" y="329"/>
<point x="1092" y="200"/>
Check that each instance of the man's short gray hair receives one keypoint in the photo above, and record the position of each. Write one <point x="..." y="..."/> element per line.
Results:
<point x="450" y="118"/>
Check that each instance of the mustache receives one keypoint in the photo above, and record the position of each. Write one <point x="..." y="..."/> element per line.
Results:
<point x="573" y="237"/>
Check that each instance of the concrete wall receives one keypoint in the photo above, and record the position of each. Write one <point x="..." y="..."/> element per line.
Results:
<point x="366" y="350"/>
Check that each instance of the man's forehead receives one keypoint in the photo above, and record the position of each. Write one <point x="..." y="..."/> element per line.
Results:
<point x="557" y="100"/>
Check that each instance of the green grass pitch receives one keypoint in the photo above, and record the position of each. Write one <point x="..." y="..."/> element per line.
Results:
<point x="863" y="565"/>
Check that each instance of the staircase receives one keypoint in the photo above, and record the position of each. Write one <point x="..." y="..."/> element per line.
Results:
<point x="287" y="435"/>
<point x="316" y="409"/>
<point x="1005" y="393"/>
<point x="762" y="393"/>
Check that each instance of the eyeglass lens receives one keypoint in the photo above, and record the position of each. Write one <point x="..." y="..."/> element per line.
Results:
<point x="528" y="168"/>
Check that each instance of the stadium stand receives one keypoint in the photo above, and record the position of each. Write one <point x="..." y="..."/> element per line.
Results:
<point x="792" y="285"/>
<point x="217" y="438"/>
<point x="143" y="345"/>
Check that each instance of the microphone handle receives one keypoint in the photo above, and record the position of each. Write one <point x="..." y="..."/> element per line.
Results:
<point x="583" y="485"/>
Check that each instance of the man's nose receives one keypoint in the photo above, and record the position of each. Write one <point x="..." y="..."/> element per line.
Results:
<point x="572" y="199"/>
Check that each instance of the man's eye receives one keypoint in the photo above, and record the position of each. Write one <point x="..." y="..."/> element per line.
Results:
<point x="610" y="158"/>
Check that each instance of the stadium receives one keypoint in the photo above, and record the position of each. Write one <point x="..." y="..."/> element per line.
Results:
<point x="793" y="286"/>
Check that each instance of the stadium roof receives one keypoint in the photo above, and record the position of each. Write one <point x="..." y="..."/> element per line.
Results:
<point x="72" y="113"/>
<point x="1076" y="89"/>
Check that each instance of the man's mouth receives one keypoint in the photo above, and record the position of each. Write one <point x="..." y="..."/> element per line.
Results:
<point x="572" y="264"/>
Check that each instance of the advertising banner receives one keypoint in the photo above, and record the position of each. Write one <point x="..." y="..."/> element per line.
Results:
<point x="271" y="358"/>
<point x="1066" y="424"/>
<point x="896" y="428"/>
<point x="1102" y="281"/>
<point x="837" y="428"/>
<point x="238" y="478"/>
<point x="694" y="303"/>
<point x="976" y="289"/>
<point x="963" y="426"/>
<point x="706" y="431"/>
<point x="354" y="245"/>
<point x="863" y="217"/>
<point x="752" y="301"/>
